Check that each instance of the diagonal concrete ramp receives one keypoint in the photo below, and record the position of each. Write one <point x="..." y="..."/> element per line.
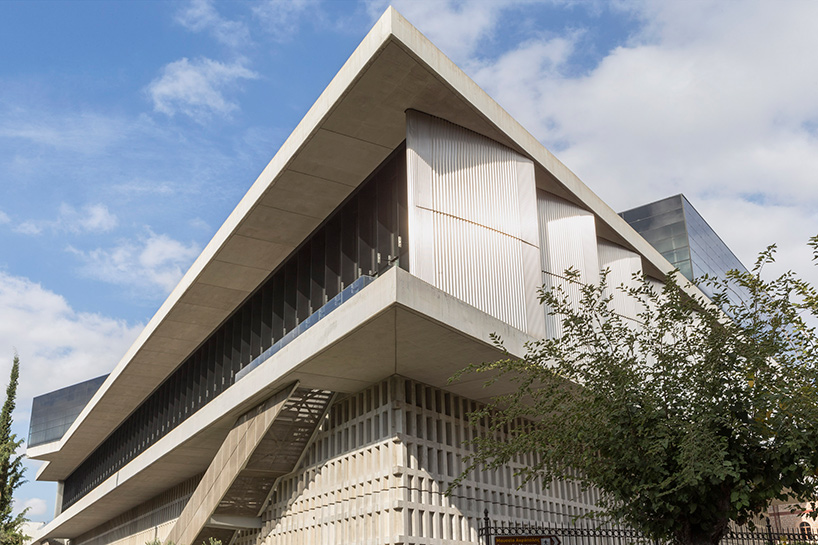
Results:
<point x="264" y="444"/>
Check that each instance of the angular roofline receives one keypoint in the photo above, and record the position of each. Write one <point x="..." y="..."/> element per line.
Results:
<point x="221" y="277"/>
<point x="363" y="54"/>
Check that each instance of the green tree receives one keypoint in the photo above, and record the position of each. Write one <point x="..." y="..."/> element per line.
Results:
<point x="684" y="419"/>
<point x="11" y="466"/>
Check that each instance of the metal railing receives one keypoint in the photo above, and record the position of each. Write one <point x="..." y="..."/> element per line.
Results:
<point x="524" y="534"/>
<point x="346" y="294"/>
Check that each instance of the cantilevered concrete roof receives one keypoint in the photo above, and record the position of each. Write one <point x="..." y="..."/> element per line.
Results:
<point x="396" y="325"/>
<point x="355" y="123"/>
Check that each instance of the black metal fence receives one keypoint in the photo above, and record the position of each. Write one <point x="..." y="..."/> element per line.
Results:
<point x="524" y="534"/>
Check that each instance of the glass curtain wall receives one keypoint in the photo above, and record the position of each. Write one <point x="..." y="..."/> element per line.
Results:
<point x="53" y="413"/>
<point x="677" y="230"/>
<point x="365" y="236"/>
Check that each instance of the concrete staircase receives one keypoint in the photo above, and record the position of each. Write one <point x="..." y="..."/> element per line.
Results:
<point x="264" y="445"/>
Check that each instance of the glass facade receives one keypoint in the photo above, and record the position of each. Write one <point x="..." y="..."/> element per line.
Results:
<point x="365" y="236"/>
<point x="53" y="413"/>
<point x="684" y="238"/>
<point x="662" y="223"/>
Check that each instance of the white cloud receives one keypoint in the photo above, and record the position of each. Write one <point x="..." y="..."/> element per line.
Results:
<point x="153" y="261"/>
<point x="748" y="228"/>
<point x="196" y="88"/>
<point x="29" y="227"/>
<point x="281" y="18"/>
<point x="58" y="346"/>
<point x="457" y="27"/>
<point x="86" y="133"/>
<point x="35" y="506"/>
<point x="699" y="105"/>
<point x="91" y="218"/>
<point x="199" y="223"/>
<point x="693" y="101"/>
<point x="201" y="15"/>
<point x="132" y="188"/>
<point x="535" y="68"/>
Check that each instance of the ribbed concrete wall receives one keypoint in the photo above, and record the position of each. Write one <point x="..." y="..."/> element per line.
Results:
<point x="622" y="264"/>
<point x="150" y="521"/>
<point x="472" y="220"/>
<point x="378" y="471"/>
<point x="345" y="490"/>
<point x="568" y="241"/>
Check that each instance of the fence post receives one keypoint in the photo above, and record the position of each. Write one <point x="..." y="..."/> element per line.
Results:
<point x="486" y="523"/>
<point x="769" y="532"/>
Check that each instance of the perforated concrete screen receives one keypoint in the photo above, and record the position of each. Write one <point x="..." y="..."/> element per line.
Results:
<point x="376" y="473"/>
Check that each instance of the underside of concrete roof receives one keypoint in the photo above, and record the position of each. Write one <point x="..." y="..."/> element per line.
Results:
<point x="353" y="126"/>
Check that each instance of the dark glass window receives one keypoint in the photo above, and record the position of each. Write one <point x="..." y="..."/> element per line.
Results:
<point x="318" y="292"/>
<point x="332" y="274"/>
<point x="367" y="209"/>
<point x="211" y="366"/>
<point x="246" y="331"/>
<point x="266" y="317"/>
<point x="278" y="306"/>
<point x="683" y="237"/>
<point x="364" y="236"/>
<point x="53" y="413"/>
<point x="290" y="295"/>
<point x="256" y="325"/>
<point x="349" y="245"/>
<point x="235" y="358"/>
<point x="303" y="282"/>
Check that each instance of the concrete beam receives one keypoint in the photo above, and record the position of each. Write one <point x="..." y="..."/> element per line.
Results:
<point x="234" y="522"/>
<point x="229" y="461"/>
<point x="397" y="324"/>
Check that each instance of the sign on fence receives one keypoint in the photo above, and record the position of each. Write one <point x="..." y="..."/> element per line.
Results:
<point x="526" y="540"/>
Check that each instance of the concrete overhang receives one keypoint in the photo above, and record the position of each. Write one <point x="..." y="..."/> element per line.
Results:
<point x="396" y="325"/>
<point x="41" y="452"/>
<point x="355" y="123"/>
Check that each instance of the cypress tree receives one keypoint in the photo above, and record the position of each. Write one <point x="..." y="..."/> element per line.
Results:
<point x="11" y="466"/>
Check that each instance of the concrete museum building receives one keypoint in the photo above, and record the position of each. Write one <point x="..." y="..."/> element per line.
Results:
<point x="293" y="388"/>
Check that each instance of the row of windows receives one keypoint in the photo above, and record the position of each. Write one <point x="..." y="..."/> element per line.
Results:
<point x="364" y="236"/>
<point x="140" y="525"/>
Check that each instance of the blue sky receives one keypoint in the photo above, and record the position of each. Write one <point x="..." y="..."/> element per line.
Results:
<point x="129" y="131"/>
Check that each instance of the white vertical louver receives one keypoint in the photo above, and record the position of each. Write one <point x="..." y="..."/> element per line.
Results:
<point x="567" y="241"/>
<point x="622" y="265"/>
<point x="472" y="220"/>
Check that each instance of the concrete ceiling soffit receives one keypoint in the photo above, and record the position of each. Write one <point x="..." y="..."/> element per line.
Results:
<point x="355" y="123"/>
<point x="254" y="239"/>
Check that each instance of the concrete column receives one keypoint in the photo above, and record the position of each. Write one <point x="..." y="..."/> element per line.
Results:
<point x="58" y="501"/>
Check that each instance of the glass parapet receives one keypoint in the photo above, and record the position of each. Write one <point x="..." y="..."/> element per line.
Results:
<point x="53" y="413"/>
<point x="363" y="237"/>
<point x="313" y="319"/>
